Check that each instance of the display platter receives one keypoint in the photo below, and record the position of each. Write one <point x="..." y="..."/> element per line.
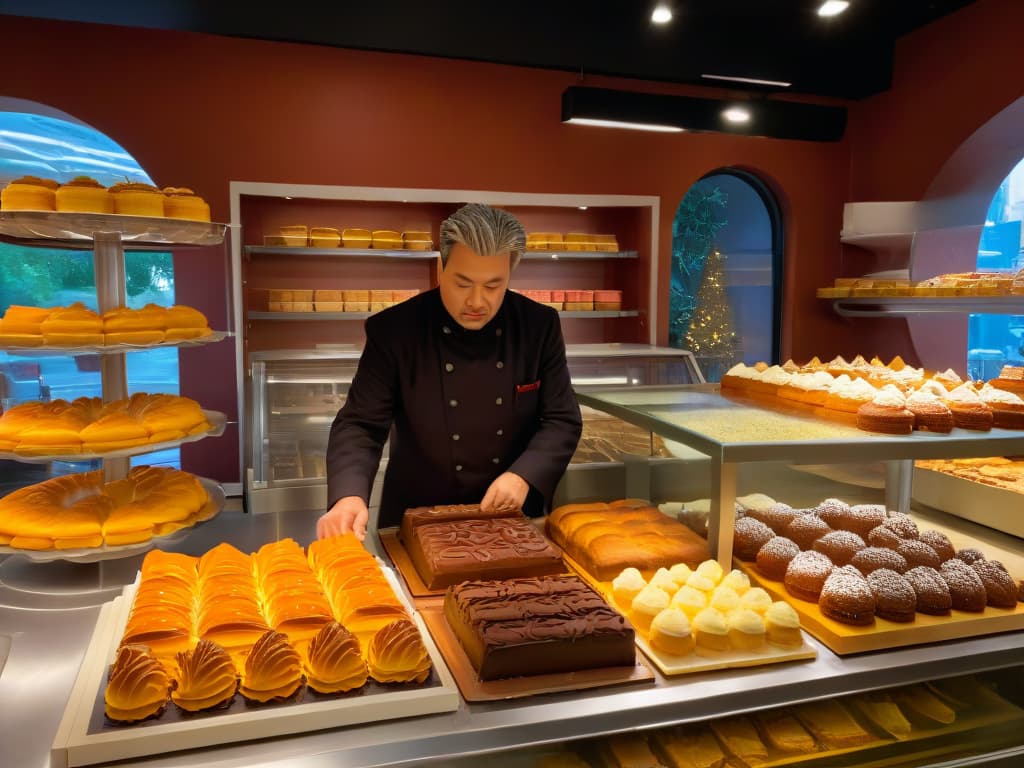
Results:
<point x="473" y="689"/>
<point x="671" y="665"/>
<point x="98" y="554"/>
<point x="216" y="419"/>
<point x="845" y="638"/>
<point x="109" y="349"/>
<point x="969" y="499"/>
<point x="86" y="737"/>
<point x="78" y="229"/>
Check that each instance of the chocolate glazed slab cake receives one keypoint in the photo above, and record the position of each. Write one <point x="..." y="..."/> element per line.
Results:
<point x="452" y="545"/>
<point x="537" y="625"/>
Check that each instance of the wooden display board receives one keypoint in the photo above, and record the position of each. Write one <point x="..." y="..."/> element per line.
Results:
<point x="86" y="737"/>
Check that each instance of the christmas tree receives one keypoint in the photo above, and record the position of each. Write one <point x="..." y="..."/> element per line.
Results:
<point x="711" y="337"/>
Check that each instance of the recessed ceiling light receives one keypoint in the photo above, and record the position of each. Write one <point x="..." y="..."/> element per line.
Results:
<point x="737" y="115"/>
<point x="661" y="14"/>
<point x="833" y="7"/>
<point x="622" y="124"/>
<point x="751" y="80"/>
<point x="583" y="207"/>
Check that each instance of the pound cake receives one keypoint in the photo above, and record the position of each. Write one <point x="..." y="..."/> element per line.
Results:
<point x="498" y="548"/>
<point x="537" y="625"/>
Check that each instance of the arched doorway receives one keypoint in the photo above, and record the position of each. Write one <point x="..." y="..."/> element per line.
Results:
<point x="725" y="288"/>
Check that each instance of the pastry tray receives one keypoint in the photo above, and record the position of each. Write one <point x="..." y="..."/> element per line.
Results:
<point x="86" y="737"/>
<point x="669" y="664"/>
<point x="474" y="689"/>
<point x="969" y="499"/>
<point x="216" y="419"/>
<point x="846" y="638"/>
<point x="78" y="228"/>
<point x="97" y="554"/>
<point x="109" y="349"/>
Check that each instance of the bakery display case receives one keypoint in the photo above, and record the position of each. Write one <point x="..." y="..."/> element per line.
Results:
<point x="294" y="396"/>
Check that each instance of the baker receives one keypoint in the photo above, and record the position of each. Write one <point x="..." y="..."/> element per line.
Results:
<point x="471" y="382"/>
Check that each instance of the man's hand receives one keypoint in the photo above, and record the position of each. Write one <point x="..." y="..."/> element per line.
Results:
<point x="348" y="514"/>
<point x="508" y="491"/>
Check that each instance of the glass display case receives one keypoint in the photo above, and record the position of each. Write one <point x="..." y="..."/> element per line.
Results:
<point x="294" y="396"/>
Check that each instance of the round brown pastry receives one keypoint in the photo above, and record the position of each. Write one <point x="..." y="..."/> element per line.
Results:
<point x="773" y="558"/>
<point x="776" y="517"/>
<point x="835" y="512"/>
<point x="863" y="518"/>
<point x="871" y="559"/>
<point x="839" y="546"/>
<point x="966" y="589"/>
<point x="902" y="525"/>
<point x="1000" y="588"/>
<point x="881" y="536"/>
<point x="807" y="529"/>
<point x="846" y="597"/>
<point x="806" y="574"/>
<point x="940" y="542"/>
<point x="932" y="593"/>
<point x="749" y="536"/>
<point x="887" y="419"/>
<point x="895" y="599"/>
<point x="918" y="553"/>
<point x="970" y="555"/>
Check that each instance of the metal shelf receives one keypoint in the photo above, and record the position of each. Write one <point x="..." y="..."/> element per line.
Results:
<point x="341" y="253"/>
<point x="575" y="315"/>
<point x="58" y="229"/>
<point x="578" y="255"/>
<point x="901" y="306"/>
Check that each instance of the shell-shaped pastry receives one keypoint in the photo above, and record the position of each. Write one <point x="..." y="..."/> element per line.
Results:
<point x="397" y="654"/>
<point x="207" y="678"/>
<point x="273" y="669"/>
<point x="333" y="662"/>
<point x="138" y="685"/>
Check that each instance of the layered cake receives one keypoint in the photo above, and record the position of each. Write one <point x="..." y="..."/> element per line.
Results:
<point x="500" y="548"/>
<point x="534" y="626"/>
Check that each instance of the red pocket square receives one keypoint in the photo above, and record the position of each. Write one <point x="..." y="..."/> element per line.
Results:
<point x="520" y="388"/>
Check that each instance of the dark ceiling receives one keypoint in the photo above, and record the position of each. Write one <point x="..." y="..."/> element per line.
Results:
<point x="848" y="56"/>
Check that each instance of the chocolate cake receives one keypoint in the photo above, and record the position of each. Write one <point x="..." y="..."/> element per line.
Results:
<point x="446" y="553"/>
<point x="533" y="626"/>
<point x="447" y="513"/>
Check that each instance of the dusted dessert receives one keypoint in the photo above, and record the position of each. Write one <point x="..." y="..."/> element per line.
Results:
<point x="536" y="625"/>
<point x="138" y="685"/>
<point x="332" y="662"/>
<point x="206" y="678"/>
<point x="273" y="669"/>
<point x="396" y="654"/>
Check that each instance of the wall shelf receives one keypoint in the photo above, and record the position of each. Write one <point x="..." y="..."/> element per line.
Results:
<point x="325" y="316"/>
<point x="583" y="255"/>
<point x="903" y="306"/>
<point x="340" y="253"/>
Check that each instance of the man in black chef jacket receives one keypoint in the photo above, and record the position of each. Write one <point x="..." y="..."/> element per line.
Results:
<point x="470" y="380"/>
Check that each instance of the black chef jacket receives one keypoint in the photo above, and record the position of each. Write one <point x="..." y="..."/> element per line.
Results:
<point x="462" y="407"/>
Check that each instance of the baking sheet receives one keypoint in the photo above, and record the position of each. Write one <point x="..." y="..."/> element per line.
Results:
<point x="474" y="689"/>
<point x="846" y="638"/>
<point x="85" y="736"/>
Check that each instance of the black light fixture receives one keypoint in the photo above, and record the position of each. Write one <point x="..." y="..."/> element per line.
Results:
<point x="659" y="112"/>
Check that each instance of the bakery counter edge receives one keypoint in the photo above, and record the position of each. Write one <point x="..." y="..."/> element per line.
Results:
<point x="47" y="646"/>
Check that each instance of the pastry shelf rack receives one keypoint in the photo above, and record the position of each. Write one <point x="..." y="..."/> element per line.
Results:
<point x="341" y="253"/>
<point x="332" y="316"/>
<point x="902" y="306"/>
<point x="736" y="430"/>
<point x="581" y="255"/>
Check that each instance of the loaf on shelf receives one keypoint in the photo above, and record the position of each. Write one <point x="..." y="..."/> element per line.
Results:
<point x="76" y="325"/>
<point x="335" y="300"/>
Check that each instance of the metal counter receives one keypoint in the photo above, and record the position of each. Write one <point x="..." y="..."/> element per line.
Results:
<point x="51" y="631"/>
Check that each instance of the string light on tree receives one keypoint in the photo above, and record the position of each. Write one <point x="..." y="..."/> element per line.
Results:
<point x="711" y="336"/>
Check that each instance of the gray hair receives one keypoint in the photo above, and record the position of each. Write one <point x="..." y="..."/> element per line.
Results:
<point x="484" y="230"/>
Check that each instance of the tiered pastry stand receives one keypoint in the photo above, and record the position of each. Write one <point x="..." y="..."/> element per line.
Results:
<point x="76" y="578"/>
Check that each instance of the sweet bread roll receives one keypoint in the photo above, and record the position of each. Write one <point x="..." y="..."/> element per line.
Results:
<point x="784" y="733"/>
<point x="832" y="724"/>
<point x="138" y="686"/>
<point x="206" y="678"/>
<point x="396" y="654"/>
<point x="332" y="662"/>
<point x="885" y="713"/>
<point x="76" y="325"/>
<point x="273" y="669"/>
<point x="688" y="747"/>
<point x="629" y="751"/>
<point x="740" y="739"/>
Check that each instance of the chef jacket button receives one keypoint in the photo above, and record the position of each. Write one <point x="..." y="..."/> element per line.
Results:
<point x="453" y="403"/>
<point x="458" y="467"/>
<point x="500" y="364"/>
<point x="449" y="367"/>
<point x="498" y="332"/>
<point x="455" y="436"/>
<point x="494" y="461"/>
<point x="446" y="329"/>
<point x="497" y="401"/>
<point x="501" y="432"/>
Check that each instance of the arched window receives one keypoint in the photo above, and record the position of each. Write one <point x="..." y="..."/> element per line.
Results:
<point x="38" y="140"/>
<point x="997" y="340"/>
<point x="725" y="287"/>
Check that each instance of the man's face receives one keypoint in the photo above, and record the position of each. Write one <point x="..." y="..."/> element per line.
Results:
<point x="473" y="286"/>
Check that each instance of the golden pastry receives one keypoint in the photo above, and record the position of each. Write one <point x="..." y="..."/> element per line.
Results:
<point x="332" y="661"/>
<point x="84" y="193"/>
<point x="206" y="678"/>
<point x="397" y="654"/>
<point x="29" y="193"/>
<point x="670" y="633"/>
<point x="137" y="199"/>
<point x="273" y="669"/>
<point x="183" y="203"/>
<point x="138" y="685"/>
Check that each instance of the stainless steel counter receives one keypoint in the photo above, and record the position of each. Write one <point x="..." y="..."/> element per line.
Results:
<point x="50" y="627"/>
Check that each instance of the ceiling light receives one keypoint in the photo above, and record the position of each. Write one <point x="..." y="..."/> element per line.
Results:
<point x="737" y="115"/>
<point x="750" y="80"/>
<point x="583" y="207"/>
<point x="661" y="14"/>
<point x="833" y="7"/>
<point x="624" y="124"/>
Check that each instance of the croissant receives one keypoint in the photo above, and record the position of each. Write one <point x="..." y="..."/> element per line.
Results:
<point x="273" y="670"/>
<point x="206" y="678"/>
<point x="397" y="654"/>
<point x="333" y="663"/>
<point x="137" y="687"/>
